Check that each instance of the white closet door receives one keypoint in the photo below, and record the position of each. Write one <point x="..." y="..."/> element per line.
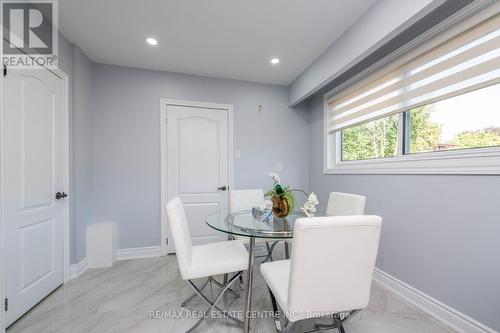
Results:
<point x="34" y="173"/>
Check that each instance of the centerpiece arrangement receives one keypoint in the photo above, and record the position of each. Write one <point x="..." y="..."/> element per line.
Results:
<point x="284" y="199"/>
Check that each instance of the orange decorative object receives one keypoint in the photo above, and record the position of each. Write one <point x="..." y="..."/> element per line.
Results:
<point x="281" y="208"/>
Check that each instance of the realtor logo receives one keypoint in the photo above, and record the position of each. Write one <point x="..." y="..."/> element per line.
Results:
<point x="29" y="33"/>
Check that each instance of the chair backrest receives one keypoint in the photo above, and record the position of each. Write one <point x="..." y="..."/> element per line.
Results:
<point x="342" y="204"/>
<point x="245" y="199"/>
<point x="181" y="236"/>
<point x="332" y="263"/>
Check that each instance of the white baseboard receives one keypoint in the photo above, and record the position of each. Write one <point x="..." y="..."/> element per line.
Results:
<point x="120" y="254"/>
<point x="436" y="309"/>
<point x="78" y="269"/>
<point x="138" y="253"/>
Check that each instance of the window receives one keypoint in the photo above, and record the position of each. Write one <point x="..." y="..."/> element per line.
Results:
<point x="435" y="110"/>
<point x="375" y="139"/>
<point x="467" y="121"/>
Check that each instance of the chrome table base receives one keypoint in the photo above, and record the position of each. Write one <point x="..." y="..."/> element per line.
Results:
<point x="248" y="287"/>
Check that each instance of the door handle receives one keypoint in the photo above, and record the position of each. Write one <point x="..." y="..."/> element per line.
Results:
<point x="222" y="188"/>
<point x="60" y="195"/>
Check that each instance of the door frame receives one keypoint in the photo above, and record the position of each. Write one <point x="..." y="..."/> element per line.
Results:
<point x="66" y="186"/>
<point x="168" y="247"/>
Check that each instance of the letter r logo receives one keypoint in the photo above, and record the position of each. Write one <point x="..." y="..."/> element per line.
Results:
<point x="28" y="27"/>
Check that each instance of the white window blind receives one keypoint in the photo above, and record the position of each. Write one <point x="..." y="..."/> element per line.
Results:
<point x="466" y="62"/>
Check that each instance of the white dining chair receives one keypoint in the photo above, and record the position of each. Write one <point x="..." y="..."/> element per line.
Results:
<point x="341" y="204"/>
<point x="204" y="261"/>
<point x="245" y="200"/>
<point x="329" y="273"/>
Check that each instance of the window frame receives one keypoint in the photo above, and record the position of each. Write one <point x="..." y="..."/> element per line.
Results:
<point x="460" y="161"/>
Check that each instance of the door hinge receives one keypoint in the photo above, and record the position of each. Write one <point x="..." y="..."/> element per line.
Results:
<point x="6" y="304"/>
<point x="4" y="70"/>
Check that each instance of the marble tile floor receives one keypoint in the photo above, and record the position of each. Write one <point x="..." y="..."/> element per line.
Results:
<point x="121" y="299"/>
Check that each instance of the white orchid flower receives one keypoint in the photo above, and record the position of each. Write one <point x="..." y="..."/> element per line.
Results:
<point x="275" y="177"/>
<point x="307" y="212"/>
<point x="313" y="198"/>
<point x="309" y="207"/>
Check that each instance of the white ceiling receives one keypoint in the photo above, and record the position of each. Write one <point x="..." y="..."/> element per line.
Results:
<point x="219" y="38"/>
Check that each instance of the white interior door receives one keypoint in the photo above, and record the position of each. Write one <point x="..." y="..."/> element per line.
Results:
<point x="198" y="165"/>
<point x="34" y="172"/>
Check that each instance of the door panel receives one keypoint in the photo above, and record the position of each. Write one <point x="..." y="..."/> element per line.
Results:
<point x="194" y="153"/>
<point x="37" y="118"/>
<point x="197" y="164"/>
<point x="37" y="252"/>
<point x="34" y="220"/>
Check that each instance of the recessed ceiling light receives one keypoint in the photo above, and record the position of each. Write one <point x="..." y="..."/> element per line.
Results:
<point x="275" y="61"/>
<point x="151" y="41"/>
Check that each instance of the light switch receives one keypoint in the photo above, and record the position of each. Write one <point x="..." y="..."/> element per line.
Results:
<point x="279" y="167"/>
<point x="237" y="154"/>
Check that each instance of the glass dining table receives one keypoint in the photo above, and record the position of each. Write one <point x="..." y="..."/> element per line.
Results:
<point x="243" y="223"/>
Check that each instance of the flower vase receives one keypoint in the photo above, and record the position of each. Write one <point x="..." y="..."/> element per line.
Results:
<point x="281" y="207"/>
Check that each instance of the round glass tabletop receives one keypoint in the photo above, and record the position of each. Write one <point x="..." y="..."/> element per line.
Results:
<point x="243" y="223"/>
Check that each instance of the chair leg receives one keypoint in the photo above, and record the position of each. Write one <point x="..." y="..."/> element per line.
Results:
<point x="213" y="305"/>
<point x="198" y="322"/>
<point x="210" y="283"/>
<point x="277" y="322"/>
<point x="190" y="298"/>
<point x="225" y="295"/>
<point x="270" y="250"/>
<point x="223" y="291"/>
<point x="269" y="253"/>
<point x="221" y="285"/>
<point x="287" y="250"/>
<point x="338" y="322"/>
<point x="242" y="285"/>
<point x="290" y="327"/>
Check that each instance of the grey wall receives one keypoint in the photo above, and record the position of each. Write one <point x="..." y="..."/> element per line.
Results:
<point x="79" y="68"/>
<point x="82" y="152"/>
<point x="126" y="141"/>
<point x="381" y="22"/>
<point x="440" y="234"/>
